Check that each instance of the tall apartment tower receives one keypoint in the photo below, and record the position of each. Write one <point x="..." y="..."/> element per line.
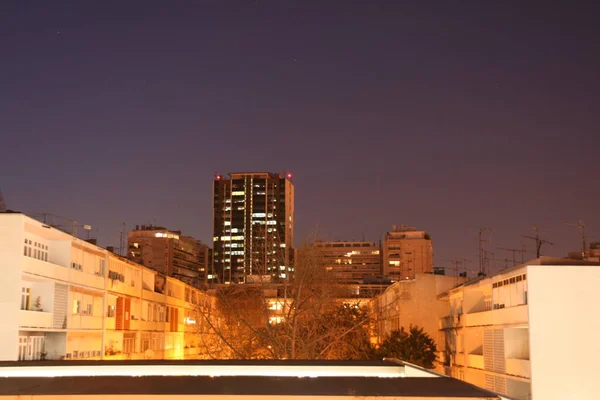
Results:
<point x="170" y="253"/>
<point x="406" y="252"/>
<point x="253" y="226"/>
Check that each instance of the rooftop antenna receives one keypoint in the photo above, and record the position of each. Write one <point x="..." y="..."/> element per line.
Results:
<point x="514" y="253"/>
<point x="482" y="257"/>
<point x="538" y="240"/>
<point x="456" y="263"/>
<point x="2" y="203"/>
<point x="122" y="240"/>
<point x="580" y="225"/>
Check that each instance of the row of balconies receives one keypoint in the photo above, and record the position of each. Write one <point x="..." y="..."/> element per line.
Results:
<point x="513" y="366"/>
<point x="503" y="316"/>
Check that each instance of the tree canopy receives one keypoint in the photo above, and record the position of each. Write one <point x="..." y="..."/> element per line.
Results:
<point x="414" y="346"/>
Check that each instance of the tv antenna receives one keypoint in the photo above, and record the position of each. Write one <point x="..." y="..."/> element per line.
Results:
<point x="538" y="241"/>
<point x="581" y="226"/>
<point x="482" y="255"/>
<point x="514" y="253"/>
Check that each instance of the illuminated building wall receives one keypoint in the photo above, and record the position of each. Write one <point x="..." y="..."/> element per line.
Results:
<point x="66" y="298"/>
<point x="253" y="226"/>
<point x="350" y="262"/>
<point x="406" y="252"/>
<point x="507" y="332"/>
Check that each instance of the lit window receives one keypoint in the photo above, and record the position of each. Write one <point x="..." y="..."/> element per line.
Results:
<point x="227" y="223"/>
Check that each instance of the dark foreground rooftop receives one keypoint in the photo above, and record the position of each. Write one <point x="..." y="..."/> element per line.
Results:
<point x="243" y="385"/>
<point x="200" y="378"/>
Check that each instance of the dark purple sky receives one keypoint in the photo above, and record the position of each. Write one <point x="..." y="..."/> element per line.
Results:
<point x="443" y="115"/>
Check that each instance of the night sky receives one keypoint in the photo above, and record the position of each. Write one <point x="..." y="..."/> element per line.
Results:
<point x="443" y="115"/>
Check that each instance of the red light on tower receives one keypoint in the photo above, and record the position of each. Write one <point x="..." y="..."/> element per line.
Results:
<point x="218" y="177"/>
<point x="289" y="176"/>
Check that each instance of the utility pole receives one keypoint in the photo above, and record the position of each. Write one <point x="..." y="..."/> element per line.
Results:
<point x="482" y="241"/>
<point x="581" y="226"/>
<point x="538" y="241"/>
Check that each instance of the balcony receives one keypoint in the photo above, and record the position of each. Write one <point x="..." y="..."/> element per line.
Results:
<point x="151" y="326"/>
<point x="518" y="367"/>
<point x="35" y="319"/>
<point x="153" y="296"/>
<point x="503" y="316"/>
<point x="134" y="324"/>
<point x="475" y="361"/>
<point x="43" y="268"/>
<point x="87" y="279"/>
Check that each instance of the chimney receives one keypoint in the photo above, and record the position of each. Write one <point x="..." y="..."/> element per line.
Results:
<point x="110" y="248"/>
<point x="92" y="241"/>
<point x="394" y="228"/>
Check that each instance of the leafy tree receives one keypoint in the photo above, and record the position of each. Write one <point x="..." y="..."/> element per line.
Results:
<point x="414" y="346"/>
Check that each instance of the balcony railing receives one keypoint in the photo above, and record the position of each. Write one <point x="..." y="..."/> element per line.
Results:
<point x="518" y="367"/>
<point x="35" y="319"/>
<point x="475" y="361"/>
<point x="503" y="316"/>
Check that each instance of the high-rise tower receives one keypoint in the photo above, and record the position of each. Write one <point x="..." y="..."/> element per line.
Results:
<point x="253" y="215"/>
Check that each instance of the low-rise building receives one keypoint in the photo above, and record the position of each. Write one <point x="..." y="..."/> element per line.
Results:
<point x="66" y="298"/>
<point x="527" y="332"/>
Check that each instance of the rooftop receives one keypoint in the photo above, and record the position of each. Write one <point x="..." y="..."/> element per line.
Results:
<point x="230" y="377"/>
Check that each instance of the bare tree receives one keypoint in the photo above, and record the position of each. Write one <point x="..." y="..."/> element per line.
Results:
<point x="303" y="318"/>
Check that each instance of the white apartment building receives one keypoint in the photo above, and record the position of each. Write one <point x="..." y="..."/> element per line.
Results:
<point x="529" y="332"/>
<point x="65" y="298"/>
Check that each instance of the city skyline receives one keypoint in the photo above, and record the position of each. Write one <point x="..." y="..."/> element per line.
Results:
<point x="446" y="118"/>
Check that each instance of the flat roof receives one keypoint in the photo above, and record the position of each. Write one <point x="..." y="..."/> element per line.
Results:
<point x="243" y="385"/>
<point x="383" y="378"/>
<point x="209" y="368"/>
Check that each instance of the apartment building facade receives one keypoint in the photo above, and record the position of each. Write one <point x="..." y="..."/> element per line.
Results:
<point x="253" y="226"/>
<point x="525" y="333"/>
<point x="65" y="298"/>
<point x="350" y="262"/>
<point x="170" y="253"/>
<point x="406" y="252"/>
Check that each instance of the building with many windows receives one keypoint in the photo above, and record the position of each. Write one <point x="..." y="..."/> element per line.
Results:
<point x="253" y="226"/>
<point x="350" y="262"/>
<point x="170" y="253"/>
<point x="406" y="252"/>
<point x="527" y="332"/>
<point x="65" y="298"/>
